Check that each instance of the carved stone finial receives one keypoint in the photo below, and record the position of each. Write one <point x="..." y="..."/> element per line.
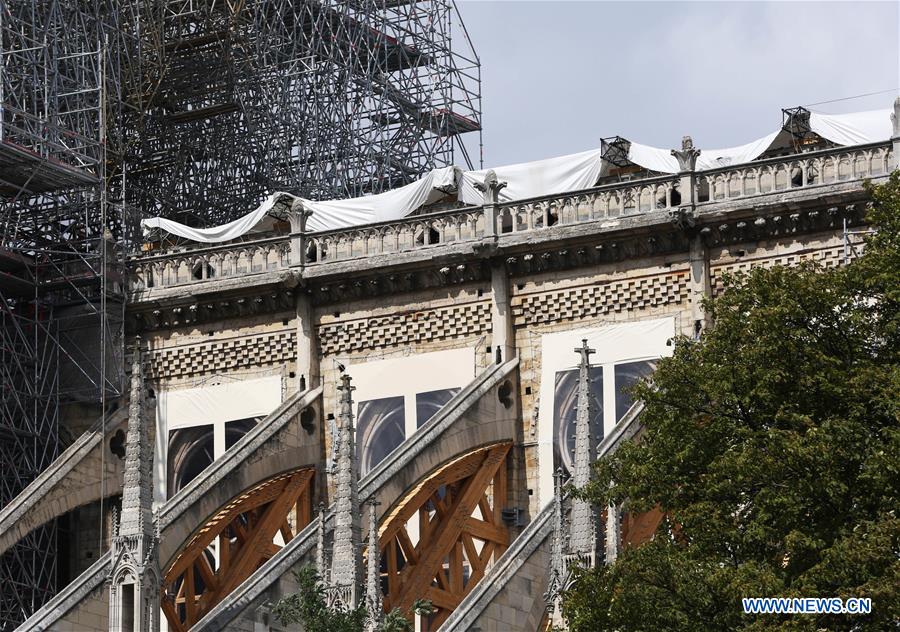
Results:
<point x="687" y="156"/>
<point x="491" y="187"/>
<point x="137" y="495"/>
<point x="298" y="216"/>
<point x="134" y="548"/>
<point x="374" y="598"/>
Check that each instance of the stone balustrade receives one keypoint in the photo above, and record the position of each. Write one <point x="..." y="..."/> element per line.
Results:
<point x="421" y="231"/>
<point x="195" y="265"/>
<point x="188" y="265"/>
<point x="800" y="171"/>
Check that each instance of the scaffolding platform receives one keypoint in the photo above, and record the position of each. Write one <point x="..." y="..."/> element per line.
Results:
<point x="25" y="170"/>
<point x="11" y="261"/>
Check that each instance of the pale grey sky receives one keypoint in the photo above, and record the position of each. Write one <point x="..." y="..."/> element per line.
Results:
<point x="558" y="76"/>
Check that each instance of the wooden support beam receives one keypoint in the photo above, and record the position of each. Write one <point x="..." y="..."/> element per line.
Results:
<point x="448" y="531"/>
<point x="253" y="519"/>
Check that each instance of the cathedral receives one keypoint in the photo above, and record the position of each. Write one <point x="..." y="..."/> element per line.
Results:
<point x="401" y="389"/>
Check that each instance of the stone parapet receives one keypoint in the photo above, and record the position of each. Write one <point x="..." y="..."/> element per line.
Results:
<point x="447" y="237"/>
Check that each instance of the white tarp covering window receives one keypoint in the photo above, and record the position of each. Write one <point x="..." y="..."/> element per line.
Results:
<point x="614" y="344"/>
<point x="541" y="177"/>
<point x="216" y="403"/>
<point x="856" y="128"/>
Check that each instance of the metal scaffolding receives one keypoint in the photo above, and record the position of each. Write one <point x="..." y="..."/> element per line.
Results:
<point x="323" y="98"/>
<point x="114" y="110"/>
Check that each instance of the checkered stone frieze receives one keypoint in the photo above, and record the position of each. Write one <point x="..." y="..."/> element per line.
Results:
<point x="224" y="355"/>
<point x="826" y="257"/>
<point x="459" y="321"/>
<point x="589" y="301"/>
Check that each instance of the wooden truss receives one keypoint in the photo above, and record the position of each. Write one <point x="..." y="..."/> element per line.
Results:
<point x="640" y="528"/>
<point x="437" y="542"/>
<point x="242" y="535"/>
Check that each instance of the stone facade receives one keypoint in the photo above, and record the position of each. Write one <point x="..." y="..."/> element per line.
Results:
<point x="516" y="278"/>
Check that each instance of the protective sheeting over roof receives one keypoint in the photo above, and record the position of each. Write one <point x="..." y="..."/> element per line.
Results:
<point x="327" y="215"/>
<point x="557" y="175"/>
<point x="541" y="177"/>
<point x="662" y="160"/>
<point x="382" y="207"/>
<point x="216" y="234"/>
<point x="855" y="128"/>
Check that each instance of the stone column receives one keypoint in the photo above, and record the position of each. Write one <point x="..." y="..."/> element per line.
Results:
<point x="321" y="565"/>
<point x="374" y="599"/>
<point x="701" y="286"/>
<point x="558" y="578"/>
<point x="308" y="373"/>
<point x="613" y="533"/>
<point x="503" y="337"/>
<point x="895" y="136"/>
<point x="684" y="217"/>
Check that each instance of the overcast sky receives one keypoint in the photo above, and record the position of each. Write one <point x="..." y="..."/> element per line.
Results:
<point x="558" y="76"/>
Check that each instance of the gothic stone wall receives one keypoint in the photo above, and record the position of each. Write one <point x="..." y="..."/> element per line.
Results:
<point x="459" y="317"/>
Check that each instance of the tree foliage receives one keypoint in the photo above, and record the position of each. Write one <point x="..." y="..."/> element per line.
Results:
<point x="308" y="607"/>
<point x="772" y="444"/>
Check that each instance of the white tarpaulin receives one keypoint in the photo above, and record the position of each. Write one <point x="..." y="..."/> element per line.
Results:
<point x="714" y="158"/>
<point x="653" y="158"/>
<point x="327" y="215"/>
<point x="662" y="160"/>
<point x="216" y="234"/>
<point x="856" y="128"/>
<point x="541" y="177"/>
<point x="382" y="207"/>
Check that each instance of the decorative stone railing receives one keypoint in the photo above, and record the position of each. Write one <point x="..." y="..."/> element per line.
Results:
<point x="421" y="231"/>
<point x="800" y="171"/>
<point x="195" y="265"/>
<point x="599" y="203"/>
<point x="472" y="224"/>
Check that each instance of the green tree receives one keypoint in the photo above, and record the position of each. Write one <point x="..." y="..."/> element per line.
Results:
<point x="772" y="444"/>
<point x="308" y="607"/>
